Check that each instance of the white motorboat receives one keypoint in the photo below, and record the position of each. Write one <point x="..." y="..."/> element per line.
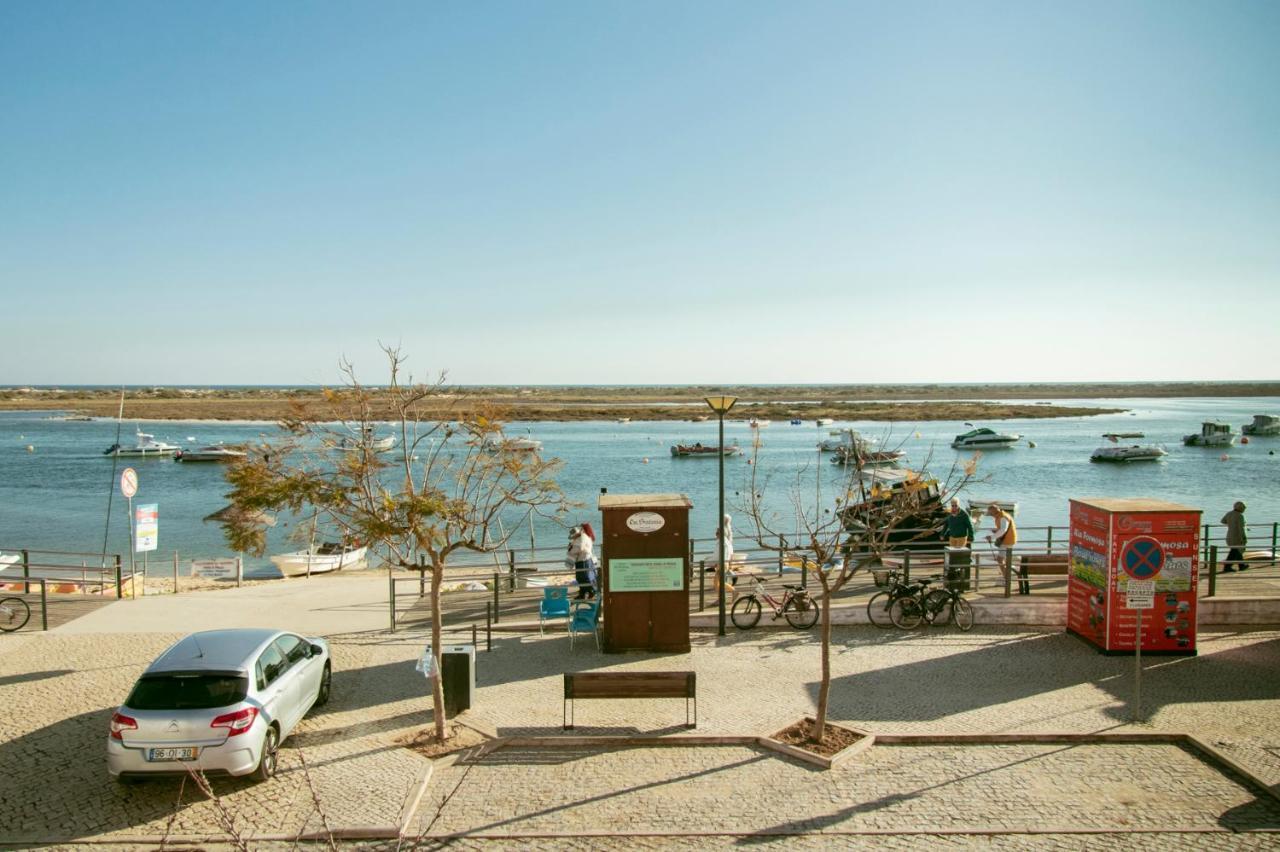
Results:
<point x="984" y="439"/>
<point x="7" y="559"/>
<point x="1148" y="452"/>
<point x="211" y="453"/>
<point x="756" y="423"/>
<point x="147" y="446"/>
<point x="367" y="440"/>
<point x="1264" y="425"/>
<point x="845" y="439"/>
<point x="324" y="558"/>
<point x="624" y="419"/>
<point x="824" y="421"/>
<point x="979" y="507"/>
<point x="1211" y="434"/>
<point x="512" y="445"/>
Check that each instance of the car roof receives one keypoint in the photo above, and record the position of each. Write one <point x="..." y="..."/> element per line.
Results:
<point x="215" y="650"/>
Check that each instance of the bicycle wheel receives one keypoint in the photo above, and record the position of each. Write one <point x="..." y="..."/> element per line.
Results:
<point x="878" y="609"/>
<point x="801" y="612"/>
<point x="937" y="607"/>
<point x="14" y="613"/>
<point x="906" y="613"/>
<point x="746" y="612"/>
<point x="962" y="614"/>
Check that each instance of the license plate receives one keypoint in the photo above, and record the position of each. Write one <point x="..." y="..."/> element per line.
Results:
<point x="188" y="753"/>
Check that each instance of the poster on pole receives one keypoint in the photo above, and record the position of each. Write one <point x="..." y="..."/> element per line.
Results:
<point x="146" y="527"/>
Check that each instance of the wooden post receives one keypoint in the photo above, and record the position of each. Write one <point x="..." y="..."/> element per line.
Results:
<point x="1275" y="528"/>
<point x="804" y="571"/>
<point x="1205" y="544"/>
<point x="1008" y="575"/>
<point x="496" y="581"/>
<point x="906" y="567"/>
<point x="422" y="578"/>
<point x="488" y="626"/>
<point x="175" y="572"/>
<point x="391" y="597"/>
<point x="702" y="584"/>
<point x="44" y="604"/>
<point x="782" y="554"/>
<point x="240" y="569"/>
<point x="119" y="579"/>
<point x="511" y="568"/>
<point x="1048" y="547"/>
<point x="26" y="572"/>
<point x="1213" y="570"/>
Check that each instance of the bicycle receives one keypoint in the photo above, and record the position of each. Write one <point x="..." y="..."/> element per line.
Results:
<point x="14" y="614"/>
<point x="881" y="602"/>
<point x="935" y="606"/>
<point x="800" y="610"/>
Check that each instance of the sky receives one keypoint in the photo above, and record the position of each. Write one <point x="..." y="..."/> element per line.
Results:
<point x="639" y="192"/>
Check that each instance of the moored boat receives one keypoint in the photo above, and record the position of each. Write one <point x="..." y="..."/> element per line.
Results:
<point x="211" y="453"/>
<point x="1211" y="434"/>
<point x="978" y="507"/>
<point x="368" y="440"/>
<point x="984" y="439"/>
<point x="326" y="557"/>
<point x="1149" y="452"/>
<point x="863" y="457"/>
<point x="1115" y="436"/>
<point x="825" y="421"/>
<point x="700" y="450"/>
<point x="1263" y="425"/>
<point x="147" y="446"/>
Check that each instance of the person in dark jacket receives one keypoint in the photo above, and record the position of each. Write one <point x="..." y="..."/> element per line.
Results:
<point x="1236" y="538"/>
<point x="957" y="528"/>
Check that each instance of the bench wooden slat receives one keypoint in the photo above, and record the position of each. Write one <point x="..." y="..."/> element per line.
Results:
<point x="631" y="685"/>
<point x="1043" y="563"/>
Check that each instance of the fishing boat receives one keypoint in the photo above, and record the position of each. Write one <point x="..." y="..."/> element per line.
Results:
<point x="147" y="446"/>
<point x="984" y="439"/>
<point x="796" y="421"/>
<point x="843" y="439"/>
<point x="1115" y="436"/>
<point x="330" y="556"/>
<point x="824" y="421"/>
<point x="1149" y="452"/>
<point x="211" y="453"/>
<point x="1265" y="425"/>
<point x="979" y="507"/>
<point x="1211" y="434"/>
<point x="866" y="458"/>
<point x="701" y="450"/>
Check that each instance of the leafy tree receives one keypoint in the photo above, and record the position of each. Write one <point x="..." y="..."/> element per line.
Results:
<point x="444" y="486"/>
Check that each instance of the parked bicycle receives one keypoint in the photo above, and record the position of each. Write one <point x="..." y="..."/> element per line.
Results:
<point x="934" y="606"/>
<point x="14" y="614"/>
<point x="800" y="610"/>
<point x="881" y="602"/>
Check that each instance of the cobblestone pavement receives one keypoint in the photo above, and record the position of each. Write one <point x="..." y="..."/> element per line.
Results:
<point x="58" y="691"/>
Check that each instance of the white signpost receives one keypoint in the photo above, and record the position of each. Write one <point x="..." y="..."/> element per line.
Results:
<point x="1139" y="595"/>
<point x="129" y="487"/>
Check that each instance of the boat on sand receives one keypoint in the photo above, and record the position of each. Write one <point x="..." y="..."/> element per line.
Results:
<point x="330" y="556"/>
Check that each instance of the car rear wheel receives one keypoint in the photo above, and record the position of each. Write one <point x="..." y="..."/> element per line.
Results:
<point x="326" y="680"/>
<point x="270" y="758"/>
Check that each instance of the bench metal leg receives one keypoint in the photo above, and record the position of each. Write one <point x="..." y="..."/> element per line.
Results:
<point x="566" y="716"/>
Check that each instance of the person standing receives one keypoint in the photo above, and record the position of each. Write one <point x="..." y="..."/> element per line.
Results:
<point x="957" y="528"/>
<point x="1005" y="535"/>
<point x="582" y="552"/>
<point x="1237" y="538"/>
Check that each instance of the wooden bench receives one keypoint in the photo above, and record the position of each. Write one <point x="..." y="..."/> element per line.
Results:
<point x="1040" y="565"/>
<point x="583" y="685"/>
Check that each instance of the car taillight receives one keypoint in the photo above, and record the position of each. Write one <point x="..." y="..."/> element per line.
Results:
<point x="237" y="722"/>
<point x="121" y="723"/>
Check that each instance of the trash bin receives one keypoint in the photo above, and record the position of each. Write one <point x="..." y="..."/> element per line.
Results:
<point x="458" y="677"/>
<point x="958" y="568"/>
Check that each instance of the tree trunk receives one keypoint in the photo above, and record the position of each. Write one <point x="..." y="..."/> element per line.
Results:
<point x="824" y="687"/>
<point x="437" y="683"/>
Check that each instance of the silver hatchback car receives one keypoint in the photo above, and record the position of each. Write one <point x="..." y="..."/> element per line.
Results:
<point x="219" y="701"/>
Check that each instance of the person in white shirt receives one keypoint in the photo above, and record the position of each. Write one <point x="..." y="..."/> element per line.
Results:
<point x="582" y="551"/>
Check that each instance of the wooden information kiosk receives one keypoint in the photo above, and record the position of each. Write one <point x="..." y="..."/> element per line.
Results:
<point x="645" y="575"/>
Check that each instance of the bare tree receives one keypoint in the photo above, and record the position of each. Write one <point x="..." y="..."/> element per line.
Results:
<point x="875" y="509"/>
<point x="432" y="489"/>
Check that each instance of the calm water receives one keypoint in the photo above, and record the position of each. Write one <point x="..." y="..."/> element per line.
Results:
<point x="55" y="498"/>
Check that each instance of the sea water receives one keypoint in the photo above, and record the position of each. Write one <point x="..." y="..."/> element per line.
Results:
<point x="54" y="496"/>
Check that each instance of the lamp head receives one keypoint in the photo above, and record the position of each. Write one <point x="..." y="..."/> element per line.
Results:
<point x="721" y="404"/>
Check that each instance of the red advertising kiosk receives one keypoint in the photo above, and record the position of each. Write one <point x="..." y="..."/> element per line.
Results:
<point x="1116" y="542"/>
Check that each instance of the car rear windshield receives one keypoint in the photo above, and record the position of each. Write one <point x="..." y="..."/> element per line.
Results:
<point x="188" y="691"/>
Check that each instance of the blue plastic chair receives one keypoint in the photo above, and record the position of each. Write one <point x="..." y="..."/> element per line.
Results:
<point x="586" y="615"/>
<point x="554" y="604"/>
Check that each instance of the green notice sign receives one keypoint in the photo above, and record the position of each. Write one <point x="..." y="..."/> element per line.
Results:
<point x="646" y="575"/>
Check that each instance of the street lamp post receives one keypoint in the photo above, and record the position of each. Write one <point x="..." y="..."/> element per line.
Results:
<point x="721" y="405"/>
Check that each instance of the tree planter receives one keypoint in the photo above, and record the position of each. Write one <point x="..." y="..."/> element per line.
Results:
<point x="839" y="745"/>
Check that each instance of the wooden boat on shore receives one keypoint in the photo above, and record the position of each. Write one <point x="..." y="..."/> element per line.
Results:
<point x="330" y="556"/>
<point x="704" y="450"/>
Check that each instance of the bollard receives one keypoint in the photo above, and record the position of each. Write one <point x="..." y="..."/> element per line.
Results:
<point x="44" y="605"/>
<point x="1213" y="570"/>
<point x="495" y="597"/>
<point x="1007" y="570"/>
<point x="391" y="598"/>
<point x="488" y="626"/>
<point x="702" y="584"/>
<point x="782" y="554"/>
<point x="1204" y="549"/>
<point x="1275" y="528"/>
<point x="511" y="568"/>
<point x="473" y="635"/>
<point x="1048" y="546"/>
<point x="119" y="580"/>
<point x="26" y="572"/>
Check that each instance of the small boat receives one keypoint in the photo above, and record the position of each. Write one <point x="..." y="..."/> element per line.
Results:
<point x="844" y="439"/>
<point x="330" y="556"/>
<point x="1211" y="434"/>
<point x="368" y="440"/>
<point x="147" y="446"/>
<point x="984" y="439"/>
<point x="825" y="421"/>
<point x="1115" y="436"/>
<point x="513" y="445"/>
<point x="7" y="559"/>
<point x="1149" y="452"/>
<point x="1265" y="425"/>
<point x="700" y="450"/>
<point x="755" y="423"/>
<point x="211" y="453"/>
<point x="701" y="418"/>
<point x="624" y="419"/>
<point x="867" y="458"/>
<point x="978" y="507"/>
<point x="796" y="421"/>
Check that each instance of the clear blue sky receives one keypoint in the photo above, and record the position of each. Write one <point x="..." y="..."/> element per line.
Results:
<point x="596" y="192"/>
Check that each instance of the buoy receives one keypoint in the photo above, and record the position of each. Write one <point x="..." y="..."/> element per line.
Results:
<point x="1031" y="444"/>
<point x="1244" y="440"/>
<point x="31" y="448"/>
<point x="644" y="461"/>
<point x="1223" y="457"/>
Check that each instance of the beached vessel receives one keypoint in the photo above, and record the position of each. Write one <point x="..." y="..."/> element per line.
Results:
<point x="984" y="439"/>
<point x="147" y="446"/>
<point x="211" y="453"/>
<point x="701" y="450"/>
<point x="1264" y="425"/>
<point x="1211" y="434"/>
<point x="1148" y="452"/>
<point x="330" y="556"/>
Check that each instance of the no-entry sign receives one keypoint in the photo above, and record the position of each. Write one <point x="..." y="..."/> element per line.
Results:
<point x="1142" y="558"/>
<point x="129" y="482"/>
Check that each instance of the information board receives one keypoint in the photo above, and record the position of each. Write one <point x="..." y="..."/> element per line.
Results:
<point x="1140" y="595"/>
<point x="646" y="575"/>
<point x="214" y="569"/>
<point x="146" y="527"/>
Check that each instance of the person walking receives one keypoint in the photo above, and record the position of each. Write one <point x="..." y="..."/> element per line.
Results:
<point x="957" y="528"/>
<point x="582" y="551"/>
<point x="1237" y="538"/>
